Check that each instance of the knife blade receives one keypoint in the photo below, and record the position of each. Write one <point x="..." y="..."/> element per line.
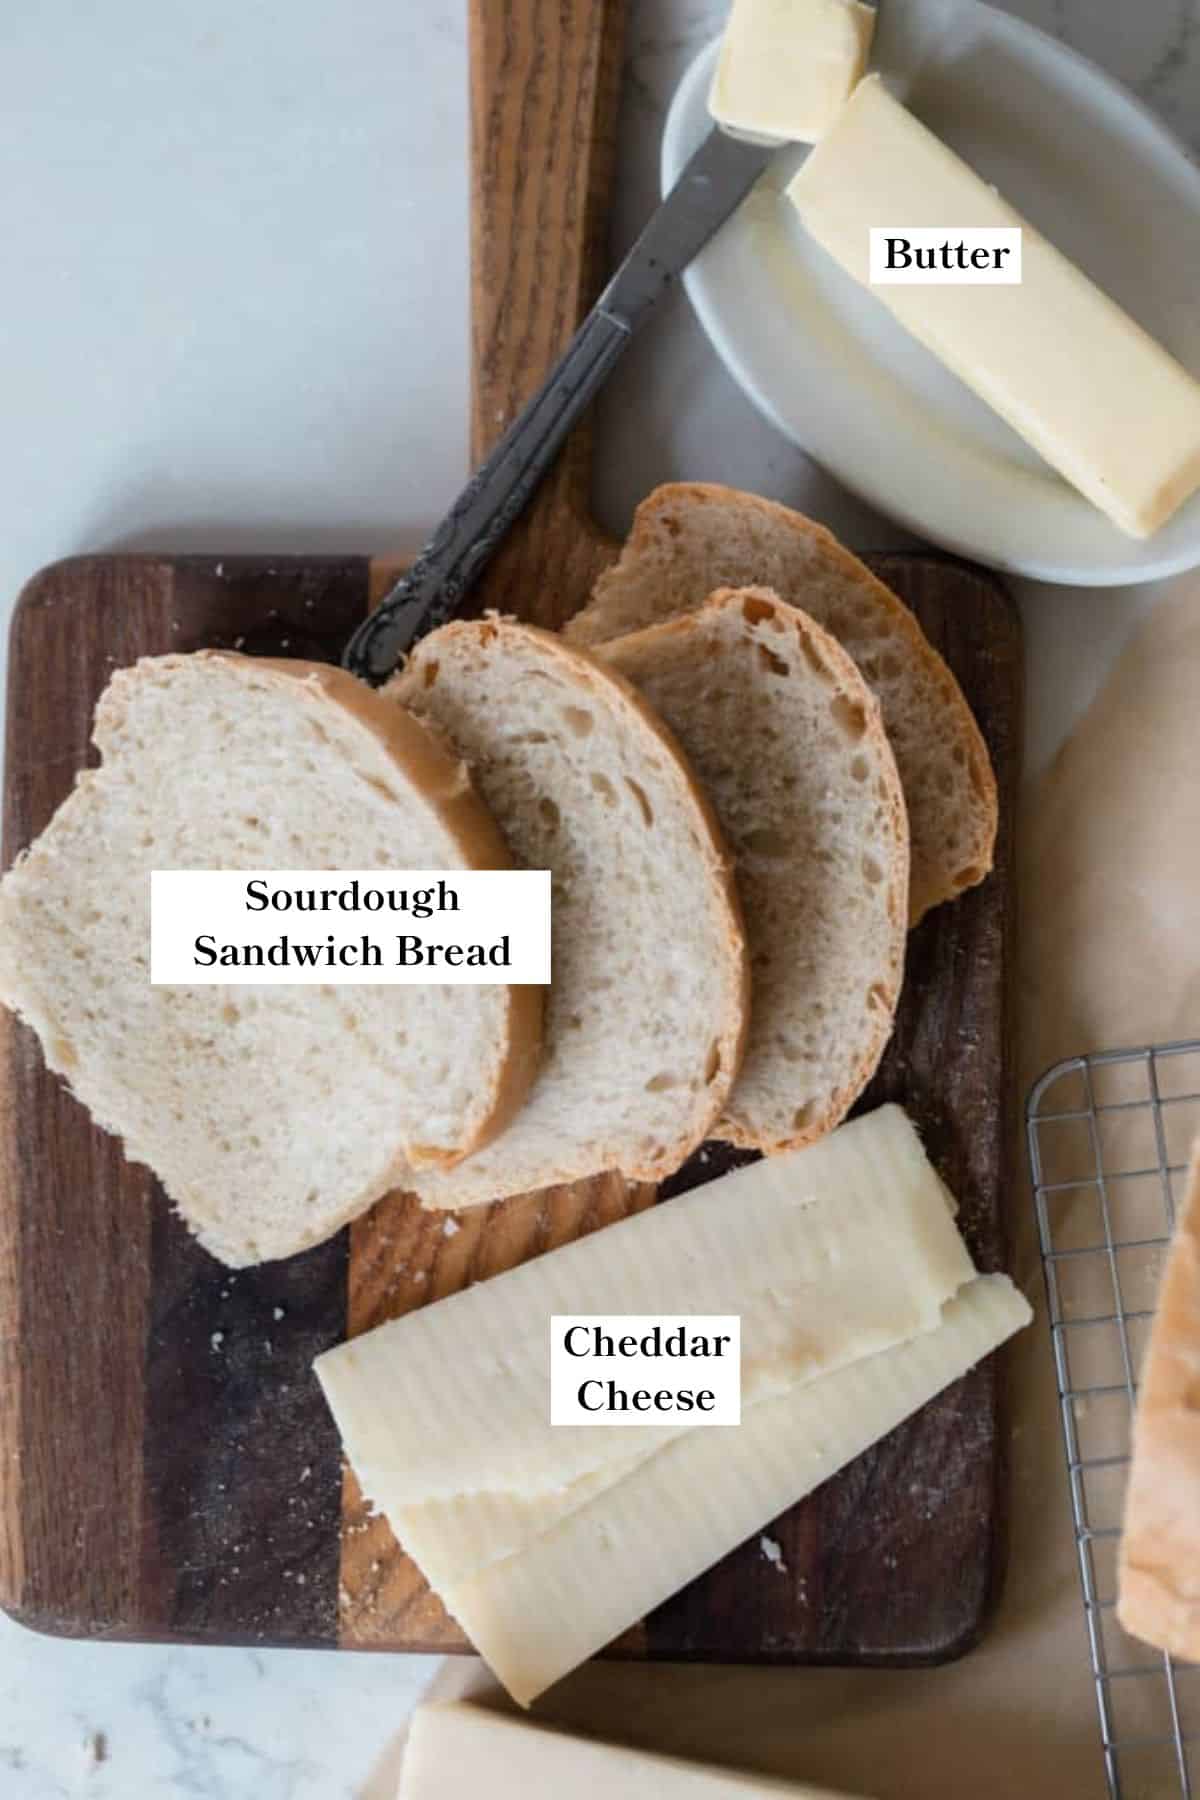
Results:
<point x="712" y="186"/>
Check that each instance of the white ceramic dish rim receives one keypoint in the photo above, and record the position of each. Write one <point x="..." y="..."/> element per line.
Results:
<point x="835" y="442"/>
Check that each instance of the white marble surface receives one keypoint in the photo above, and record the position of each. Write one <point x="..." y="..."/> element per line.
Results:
<point x="234" y="316"/>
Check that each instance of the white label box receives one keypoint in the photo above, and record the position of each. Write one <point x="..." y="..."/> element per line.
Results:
<point x="946" y="256"/>
<point x="646" y="1369"/>
<point x="353" y="927"/>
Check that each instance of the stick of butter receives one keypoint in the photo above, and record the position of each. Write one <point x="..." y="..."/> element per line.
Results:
<point x="787" y="67"/>
<point x="458" y="1752"/>
<point x="1073" y="374"/>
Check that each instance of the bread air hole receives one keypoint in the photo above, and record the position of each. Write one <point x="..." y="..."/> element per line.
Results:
<point x="860" y="768"/>
<point x="812" y="655"/>
<point x="430" y="671"/>
<point x="230" y="1014"/>
<point x="578" y="720"/>
<point x="661" y="1084"/>
<point x="755" y="611"/>
<point x="849" y="716"/>
<point x="802" y="1118"/>
<point x="872" y="873"/>
<point x="769" y="660"/>
<point x="639" y="794"/>
<point x="712" y="1067"/>
<point x="549" y="812"/>
<point x="603" y="786"/>
<point x="878" y="997"/>
<point x="766" y="841"/>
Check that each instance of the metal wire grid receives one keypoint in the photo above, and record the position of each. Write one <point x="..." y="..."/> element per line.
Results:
<point x="1109" y="1145"/>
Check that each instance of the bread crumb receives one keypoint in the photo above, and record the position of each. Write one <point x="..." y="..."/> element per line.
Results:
<point x="217" y="1339"/>
<point x="451" y="1228"/>
<point x="773" y="1552"/>
<point x="277" y="1313"/>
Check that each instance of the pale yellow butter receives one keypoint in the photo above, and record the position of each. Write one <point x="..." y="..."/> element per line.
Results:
<point x="1106" y="406"/>
<point x="787" y="67"/>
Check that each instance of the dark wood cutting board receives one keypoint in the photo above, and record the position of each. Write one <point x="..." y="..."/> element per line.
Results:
<point x="167" y="1466"/>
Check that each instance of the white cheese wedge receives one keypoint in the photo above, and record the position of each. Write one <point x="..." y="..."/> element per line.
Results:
<point x="1105" y="405"/>
<point x="539" y="1614"/>
<point x="787" y="67"/>
<point x="459" y="1752"/>
<point x="827" y="1255"/>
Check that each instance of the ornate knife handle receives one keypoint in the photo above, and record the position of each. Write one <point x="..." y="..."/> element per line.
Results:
<point x="478" y="521"/>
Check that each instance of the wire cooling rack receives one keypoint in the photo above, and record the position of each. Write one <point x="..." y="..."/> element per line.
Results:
<point x="1110" y="1140"/>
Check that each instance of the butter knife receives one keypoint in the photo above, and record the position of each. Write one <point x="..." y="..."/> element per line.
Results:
<point x="711" y="187"/>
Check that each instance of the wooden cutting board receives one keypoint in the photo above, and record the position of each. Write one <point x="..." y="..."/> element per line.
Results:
<point x="167" y="1466"/>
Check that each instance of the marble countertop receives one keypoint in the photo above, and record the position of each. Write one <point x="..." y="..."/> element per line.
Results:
<point x="235" y="317"/>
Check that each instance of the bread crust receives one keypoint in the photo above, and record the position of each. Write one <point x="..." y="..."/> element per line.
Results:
<point x="734" y="1127"/>
<point x="1159" y="1577"/>
<point x="587" y="671"/>
<point x="930" y="884"/>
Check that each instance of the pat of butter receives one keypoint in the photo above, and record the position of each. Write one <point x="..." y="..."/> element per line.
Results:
<point x="1105" y="405"/>
<point x="787" y="67"/>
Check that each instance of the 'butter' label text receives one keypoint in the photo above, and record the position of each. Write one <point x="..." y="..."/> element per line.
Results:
<point x="941" y="256"/>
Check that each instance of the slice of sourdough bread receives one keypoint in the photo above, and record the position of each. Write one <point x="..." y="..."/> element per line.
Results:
<point x="272" y="1115"/>
<point x="786" y="737"/>
<point x="690" y="539"/>
<point x="646" y="1015"/>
